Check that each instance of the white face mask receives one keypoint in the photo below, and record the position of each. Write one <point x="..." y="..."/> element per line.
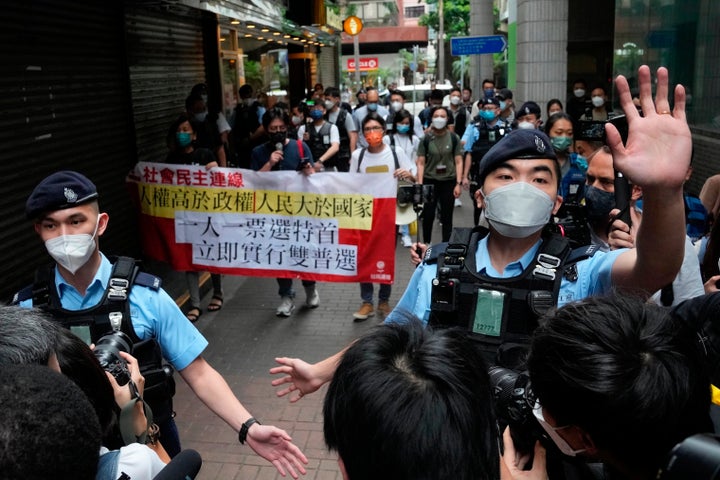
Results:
<point x="72" y="251"/>
<point x="297" y="120"/>
<point x="560" y="442"/>
<point x="455" y="100"/>
<point x="517" y="210"/>
<point x="329" y="104"/>
<point x="598" y="101"/>
<point x="439" y="123"/>
<point x="579" y="92"/>
<point x="396" y="106"/>
<point x="524" y="125"/>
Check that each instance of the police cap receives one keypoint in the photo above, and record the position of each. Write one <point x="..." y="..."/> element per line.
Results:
<point x="518" y="144"/>
<point x="529" y="108"/>
<point x="61" y="190"/>
<point x="489" y="101"/>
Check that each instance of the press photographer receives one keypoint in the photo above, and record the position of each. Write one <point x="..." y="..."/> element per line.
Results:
<point x="619" y="381"/>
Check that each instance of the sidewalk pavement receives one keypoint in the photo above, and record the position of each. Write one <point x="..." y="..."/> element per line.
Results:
<point x="246" y="336"/>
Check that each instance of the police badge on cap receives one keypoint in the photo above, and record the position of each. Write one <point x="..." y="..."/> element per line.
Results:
<point x="61" y="190"/>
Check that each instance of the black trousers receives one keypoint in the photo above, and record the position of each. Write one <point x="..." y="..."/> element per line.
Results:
<point x="444" y="197"/>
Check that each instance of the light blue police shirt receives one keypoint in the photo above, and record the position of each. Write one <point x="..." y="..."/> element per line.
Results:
<point x="594" y="277"/>
<point x="154" y="314"/>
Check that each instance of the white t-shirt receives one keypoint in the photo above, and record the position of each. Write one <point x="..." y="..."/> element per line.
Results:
<point x="138" y="461"/>
<point x="349" y="122"/>
<point x="222" y="123"/>
<point x="380" y="162"/>
<point x="408" y="143"/>
<point x="334" y="133"/>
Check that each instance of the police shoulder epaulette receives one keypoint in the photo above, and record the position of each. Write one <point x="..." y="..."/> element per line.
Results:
<point x="147" y="280"/>
<point x="22" y="295"/>
<point x="581" y="253"/>
<point x="433" y="252"/>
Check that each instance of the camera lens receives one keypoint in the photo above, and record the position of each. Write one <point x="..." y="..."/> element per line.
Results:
<point x="107" y="351"/>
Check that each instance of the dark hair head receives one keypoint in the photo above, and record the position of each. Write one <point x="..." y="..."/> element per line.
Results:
<point x="398" y="92"/>
<point x="554" y="119"/>
<point x="399" y="117"/>
<point x="27" y="336"/>
<point x="273" y="113"/>
<point x="487" y="80"/>
<point x="468" y="89"/>
<point x="191" y="100"/>
<point x="437" y="94"/>
<point x="373" y="116"/>
<point x="78" y="363"/>
<point x="455" y="89"/>
<point x="409" y="403"/>
<point x="624" y="371"/>
<point x="553" y="102"/>
<point x="332" y="92"/>
<point x="47" y="426"/>
<point x="199" y="89"/>
<point x="245" y="91"/>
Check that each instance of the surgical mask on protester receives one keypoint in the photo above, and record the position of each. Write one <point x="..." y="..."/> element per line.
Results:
<point x="72" y="251"/>
<point x="396" y="106"/>
<point x="525" y="125"/>
<point x="455" y="100"/>
<point x="278" y="137"/>
<point x="374" y="138"/>
<point x="517" y="210"/>
<point x="579" y="92"/>
<point x="561" y="144"/>
<point x="372" y="107"/>
<point x="183" y="139"/>
<point x="403" y="128"/>
<point x="316" y="114"/>
<point x="487" y="115"/>
<point x="200" y="117"/>
<point x="249" y="101"/>
<point x="598" y="101"/>
<point x="503" y="104"/>
<point x="297" y="119"/>
<point x="560" y="442"/>
<point x="598" y="203"/>
<point x="204" y="99"/>
<point x="439" y="123"/>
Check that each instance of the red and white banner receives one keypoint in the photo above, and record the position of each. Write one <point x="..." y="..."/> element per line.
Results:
<point x="330" y="227"/>
<point x="366" y="63"/>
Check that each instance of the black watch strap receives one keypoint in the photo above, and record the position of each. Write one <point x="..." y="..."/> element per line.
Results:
<point x="242" y="434"/>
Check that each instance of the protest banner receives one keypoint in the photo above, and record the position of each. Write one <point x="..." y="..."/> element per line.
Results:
<point x="330" y="227"/>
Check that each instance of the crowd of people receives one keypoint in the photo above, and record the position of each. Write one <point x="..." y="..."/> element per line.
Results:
<point x="560" y="285"/>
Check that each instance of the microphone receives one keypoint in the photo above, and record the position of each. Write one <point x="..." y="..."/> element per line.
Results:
<point x="185" y="466"/>
<point x="278" y="147"/>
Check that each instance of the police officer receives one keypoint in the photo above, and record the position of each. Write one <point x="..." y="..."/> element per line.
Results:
<point x="66" y="215"/>
<point x="519" y="192"/>
<point x="486" y="130"/>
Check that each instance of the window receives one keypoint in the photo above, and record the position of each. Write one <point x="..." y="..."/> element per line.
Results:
<point x="414" y="12"/>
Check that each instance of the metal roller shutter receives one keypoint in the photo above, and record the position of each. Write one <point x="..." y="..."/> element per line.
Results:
<point x="165" y="59"/>
<point x="64" y="104"/>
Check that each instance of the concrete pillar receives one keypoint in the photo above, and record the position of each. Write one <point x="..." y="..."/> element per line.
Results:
<point x="481" y="23"/>
<point x="542" y="27"/>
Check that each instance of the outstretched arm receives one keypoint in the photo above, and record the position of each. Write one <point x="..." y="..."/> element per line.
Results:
<point x="271" y="443"/>
<point x="656" y="158"/>
<point x="303" y="377"/>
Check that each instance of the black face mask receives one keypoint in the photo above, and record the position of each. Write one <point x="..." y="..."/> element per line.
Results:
<point x="278" y="137"/>
<point x="598" y="203"/>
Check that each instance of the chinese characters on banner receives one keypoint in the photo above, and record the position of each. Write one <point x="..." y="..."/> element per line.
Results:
<point x="333" y="227"/>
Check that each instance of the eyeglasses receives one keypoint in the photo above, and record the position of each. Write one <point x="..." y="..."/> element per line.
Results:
<point x="277" y="130"/>
<point x="372" y="129"/>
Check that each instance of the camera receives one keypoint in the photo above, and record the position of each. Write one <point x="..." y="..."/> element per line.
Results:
<point x="514" y="402"/>
<point x="697" y="456"/>
<point x="417" y="193"/>
<point x="445" y="291"/>
<point x="107" y="351"/>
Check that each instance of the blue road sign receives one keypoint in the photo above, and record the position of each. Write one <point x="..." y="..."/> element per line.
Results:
<point x="477" y="45"/>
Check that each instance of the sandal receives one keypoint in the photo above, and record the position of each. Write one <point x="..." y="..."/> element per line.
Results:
<point x="216" y="303"/>
<point x="192" y="315"/>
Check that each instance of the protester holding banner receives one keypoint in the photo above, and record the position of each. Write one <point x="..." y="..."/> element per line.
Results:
<point x="378" y="158"/>
<point x="279" y="153"/>
<point x="185" y="153"/>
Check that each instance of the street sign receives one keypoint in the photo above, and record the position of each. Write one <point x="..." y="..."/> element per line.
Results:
<point x="477" y="45"/>
<point x="366" y="63"/>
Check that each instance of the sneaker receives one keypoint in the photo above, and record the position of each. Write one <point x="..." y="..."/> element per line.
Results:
<point x="384" y="309"/>
<point x="286" y="308"/>
<point x="407" y="241"/>
<point x="366" y="310"/>
<point x="312" y="299"/>
<point x="458" y="203"/>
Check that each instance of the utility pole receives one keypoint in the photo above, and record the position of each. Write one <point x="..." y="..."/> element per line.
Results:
<point x="440" y="67"/>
